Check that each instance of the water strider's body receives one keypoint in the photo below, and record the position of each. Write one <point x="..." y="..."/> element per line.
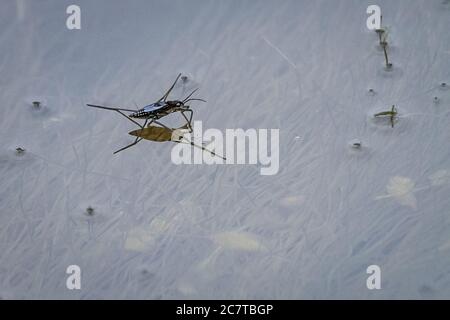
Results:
<point x="159" y="109"/>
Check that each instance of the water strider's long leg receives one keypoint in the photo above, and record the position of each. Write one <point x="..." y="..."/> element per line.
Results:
<point x="135" y="122"/>
<point x="188" y="120"/>
<point x="138" y="139"/>
<point x="192" y="114"/>
<point x="203" y="148"/>
<point x="164" y="97"/>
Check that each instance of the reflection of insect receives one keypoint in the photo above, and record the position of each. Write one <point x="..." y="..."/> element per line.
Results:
<point x="392" y="114"/>
<point x="155" y="111"/>
<point x="159" y="134"/>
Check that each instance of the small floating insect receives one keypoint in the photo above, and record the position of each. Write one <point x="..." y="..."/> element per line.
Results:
<point x="392" y="114"/>
<point x="36" y="104"/>
<point x="357" y="144"/>
<point x="381" y="32"/>
<point x="20" y="151"/>
<point x="384" y="45"/>
<point x="89" y="211"/>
